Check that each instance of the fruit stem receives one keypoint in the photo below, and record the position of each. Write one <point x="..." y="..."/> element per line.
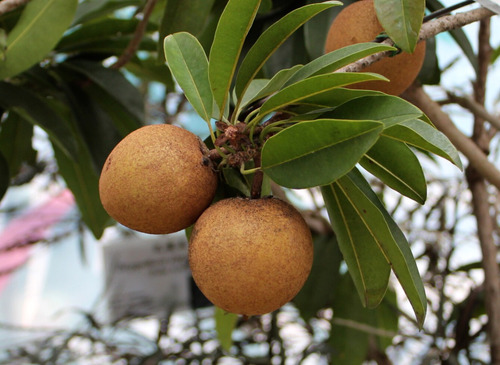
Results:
<point x="258" y="178"/>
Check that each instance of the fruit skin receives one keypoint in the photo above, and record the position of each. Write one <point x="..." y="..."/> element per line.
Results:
<point x="358" y="23"/>
<point x="250" y="256"/>
<point x="157" y="179"/>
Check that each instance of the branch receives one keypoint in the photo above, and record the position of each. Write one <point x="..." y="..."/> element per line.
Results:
<point x="137" y="38"/>
<point x="9" y="5"/>
<point x="428" y="30"/>
<point x="475" y="108"/>
<point x="477" y="158"/>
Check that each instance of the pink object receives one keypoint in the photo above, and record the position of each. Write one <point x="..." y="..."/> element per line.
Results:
<point x="27" y="228"/>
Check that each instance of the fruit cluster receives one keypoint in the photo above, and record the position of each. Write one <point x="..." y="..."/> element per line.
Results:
<point x="248" y="256"/>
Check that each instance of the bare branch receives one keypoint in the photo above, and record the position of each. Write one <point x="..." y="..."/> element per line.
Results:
<point x="416" y="95"/>
<point x="475" y="108"/>
<point x="428" y="30"/>
<point x="137" y="38"/>
<point x="9" y="5"/>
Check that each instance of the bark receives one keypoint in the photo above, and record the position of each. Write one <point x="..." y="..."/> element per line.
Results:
<point x="9" y="5"/>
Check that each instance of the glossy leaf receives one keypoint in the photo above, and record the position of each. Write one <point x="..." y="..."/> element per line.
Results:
<point x="331" y="99"/>
<point x="318" y="290"/>
<point x="40" y="27"/>
<point x="184" y="16"/>
<point x="4" y="175"/>
<point x="334" y="60"/>
<point x="224" y="325"/>
<point x="16" y="136"/>
<point x="272" y="38"/>
<point x="36" y="111"/>
<point x="312" y="86"/>
<point x="367" y="265"/>
<point x="317" y="152"/>
<point x="420" y="134"/>
<point x="189" y="66"/>
<point x="402" y="20"/>
<point x="391" y="240"/>
<point x="396" y="165"/>
<point x="93" y="9"/>
<point x="233" y="26"/>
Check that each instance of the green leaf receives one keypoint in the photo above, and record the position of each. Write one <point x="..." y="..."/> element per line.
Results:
<point x="334" y="60"/>
<point x="93" y="9"/>
<point x="40" y="27"/>
<point x="83" y="181"/>
<point x="396" y="165"/>
<point x="36" y="111"/>
<point x="189" y="66"/>
<point x="224" y="326"/>
<point x="318" y="290"/>
<point x="420" y="134"/>
<point x="317" y="152"/>
<point x="272" y="38"/>
<point x="16" y="136"/>
<point x="315" y="85"/>
<point x="149" y="69"/>
<point x="117" y="87"/>
<point x="389" y="237"/>
<point x="184" y="16"/>
<point x="367" y="265"/>
<point x="401" y="19"/>
<point x="387" y="108"/>
<point x="4" y="175"/>
<point x="233" y="26"/>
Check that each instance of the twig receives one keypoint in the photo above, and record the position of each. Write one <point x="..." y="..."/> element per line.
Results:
<point x="137" y="37"/>
<point x="9" y="5"/>
<point x="475" y="108"/>
<point x="428" y="30"/>
<point x="416" y="95"/>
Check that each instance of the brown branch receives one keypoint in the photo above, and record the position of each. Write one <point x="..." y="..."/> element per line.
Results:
<point x="9" y="5"/>
<point x="428" y="30"/>
<point x="416" y="95"/>
<point x="475" y="108"/>
<point x="137" y="37"/>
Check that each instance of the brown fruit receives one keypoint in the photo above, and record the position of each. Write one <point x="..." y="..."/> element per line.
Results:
<point x="358" y="23"/>
<point x="157" y="179"/>
<point x="250" y="256"/>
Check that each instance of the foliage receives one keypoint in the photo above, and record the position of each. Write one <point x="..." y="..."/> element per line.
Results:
<point x="253" y="65"/>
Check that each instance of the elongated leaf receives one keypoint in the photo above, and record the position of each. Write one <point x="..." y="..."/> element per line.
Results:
<point x="397" y="166"/>
<point x="184" y="16"/>
<point x="367" y="265"/>
<point x="331" y="99"/>
<point x="313" y="86"/>
<point x="4" y="175"/>
<point x="36" y="111"/>
<point x="401" y="19"/>
<point x="224" y="325"/>
<point x="117" y="87"/>
<point x="334" y="60"/>
<point x="272" y="38"/>
<point x="317" y="152"/>
<point x="93" y="9"/>
<point x="390" y="238"/>
<point x="420" y="134"/>
<point x="40" y="27"/>
<point x="233" y="26"/>
<point x="189" y="66"/>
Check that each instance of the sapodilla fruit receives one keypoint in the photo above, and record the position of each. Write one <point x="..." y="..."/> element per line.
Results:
<point x="358" y="23"/>
<point x="250" y="256"/>
<point x="157" y="180"/>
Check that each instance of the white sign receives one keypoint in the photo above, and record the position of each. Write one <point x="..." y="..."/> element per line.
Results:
<point x="146" y="276"/>
<point x="493" y="5"/>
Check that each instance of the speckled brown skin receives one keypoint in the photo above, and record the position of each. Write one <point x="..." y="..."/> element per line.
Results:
<point x="157" y="180"/>
<point x="358" y="23"/>
<point x="250" y="256"/>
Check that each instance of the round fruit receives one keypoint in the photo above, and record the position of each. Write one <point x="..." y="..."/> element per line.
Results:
<point x="157" y="179"/>
<point x="250" y="256"/>
<point x="358" y="23"/>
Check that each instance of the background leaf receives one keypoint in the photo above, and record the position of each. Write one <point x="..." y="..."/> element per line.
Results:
<point x="224" y="325"/>
<point x="189" y="65"/>
<point x="40" y="27"/>
<point x="233" y="26"/>
<point x="307" y="154"/>
<point x="401" y="19"/>
<point x="4" y="175"/>
<point x="367" y="265"/>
